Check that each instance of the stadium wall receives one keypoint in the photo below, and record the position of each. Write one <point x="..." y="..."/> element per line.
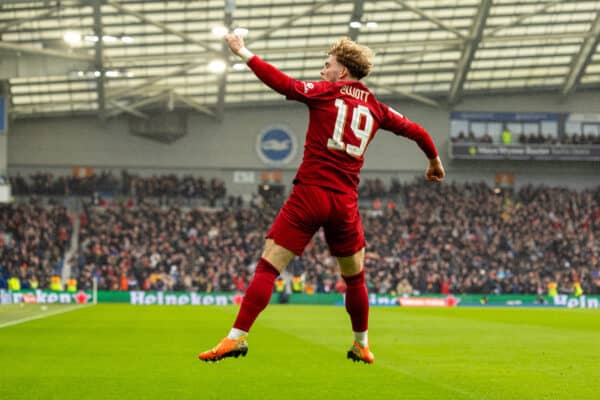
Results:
<point x="217" y="149"/>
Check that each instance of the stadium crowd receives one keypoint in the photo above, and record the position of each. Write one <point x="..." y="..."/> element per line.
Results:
<point x="450" y="238"/>
<point x="127" y="184"/>
<point x="33" y="240"/>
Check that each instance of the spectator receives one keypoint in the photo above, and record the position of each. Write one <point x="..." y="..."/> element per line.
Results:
<point x="515" y="242"/>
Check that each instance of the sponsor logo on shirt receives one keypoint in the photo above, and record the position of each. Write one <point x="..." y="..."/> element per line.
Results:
<point x="276" y="145"/>
<point x="308" y="86"/>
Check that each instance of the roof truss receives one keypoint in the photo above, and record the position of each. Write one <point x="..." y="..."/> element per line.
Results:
<point x="433" y="52"/>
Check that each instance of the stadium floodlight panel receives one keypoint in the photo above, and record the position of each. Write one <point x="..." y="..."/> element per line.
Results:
<point x="243" y="32"/>
<point x="219" y="31"/>
<point x="72" y="37"/>
<point x="109" y="39"/>
<point x="217" y="66"/>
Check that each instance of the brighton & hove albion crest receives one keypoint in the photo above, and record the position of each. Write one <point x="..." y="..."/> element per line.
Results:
<point x="276" y="145"/>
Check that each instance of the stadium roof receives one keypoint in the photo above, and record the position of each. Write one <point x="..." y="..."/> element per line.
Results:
<point x="111" y="57"/>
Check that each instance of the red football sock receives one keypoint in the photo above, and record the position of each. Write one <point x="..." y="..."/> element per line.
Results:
<point x="357" y="301"/>
<point x="257" y="295"/>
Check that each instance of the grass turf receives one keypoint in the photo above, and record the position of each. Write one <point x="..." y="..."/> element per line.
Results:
<point x="297" y="352"/>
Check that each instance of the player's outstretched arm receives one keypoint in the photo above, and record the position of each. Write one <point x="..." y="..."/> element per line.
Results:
<point x="400" y="125"/>
<point x="266" y="72"/>
<point x="236" y="44"/>
<point x="435" y="171"/>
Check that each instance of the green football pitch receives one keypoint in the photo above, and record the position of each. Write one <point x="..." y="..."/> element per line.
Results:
<point x="298" y="352"/>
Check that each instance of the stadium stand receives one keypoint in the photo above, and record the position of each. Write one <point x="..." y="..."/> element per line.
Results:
<point x="454" y="238"/>
<point x="33" y="240"/>
<point x="127" y="184"/>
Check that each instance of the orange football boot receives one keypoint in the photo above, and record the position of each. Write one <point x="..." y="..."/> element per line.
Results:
<point x="358" y="353"/>
<point x="226" y="348"/>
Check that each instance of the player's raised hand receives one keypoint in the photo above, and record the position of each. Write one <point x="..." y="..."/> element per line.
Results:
<point x="234" y="42"/>
<point x="435" y="172"/>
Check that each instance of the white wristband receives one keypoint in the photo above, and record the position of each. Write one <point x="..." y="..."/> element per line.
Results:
<point x="245" y="54"/>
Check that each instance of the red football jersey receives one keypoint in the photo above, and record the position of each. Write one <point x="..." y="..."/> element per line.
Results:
<point x="344" y="117"/>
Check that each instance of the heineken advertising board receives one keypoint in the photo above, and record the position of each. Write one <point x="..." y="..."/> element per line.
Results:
<point x="44" y="297"/>
<point x="142" y="298"/>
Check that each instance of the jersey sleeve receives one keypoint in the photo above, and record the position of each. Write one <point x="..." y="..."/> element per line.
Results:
<point x="292" y="88"/>
<point x="270" y="75"/>
<point x="308" y="91"/>
<point x="400" y="125"/>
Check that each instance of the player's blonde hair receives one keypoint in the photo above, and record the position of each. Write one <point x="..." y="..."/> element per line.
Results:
<point x="355" y="57"/>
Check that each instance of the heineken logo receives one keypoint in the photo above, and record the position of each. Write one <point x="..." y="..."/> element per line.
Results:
<point x="562" y="300"/>
<point x="82" y="297"/>
<point x="182" y="299"/>
<point x="44" y="297"/>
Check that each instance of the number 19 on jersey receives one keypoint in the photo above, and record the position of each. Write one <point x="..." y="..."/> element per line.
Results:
<point x="361" y="125"/>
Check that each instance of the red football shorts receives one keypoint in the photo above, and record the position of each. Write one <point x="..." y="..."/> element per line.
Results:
<point x="310" y="207"/>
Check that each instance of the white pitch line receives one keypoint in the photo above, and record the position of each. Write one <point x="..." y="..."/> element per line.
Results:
<point x="41" y="316"/>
